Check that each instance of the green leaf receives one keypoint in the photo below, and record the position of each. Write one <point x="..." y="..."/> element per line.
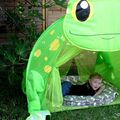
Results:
<point x="2" y="65"/>
<point x="24" y="33"/>
<point x="62" y="3"/>
<point x="34" y="1"/>
<point x="35" y="13"/>
<point x="21" y="48"/>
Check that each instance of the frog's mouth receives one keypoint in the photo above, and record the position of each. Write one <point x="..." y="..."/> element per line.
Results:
<point x="106" y="36"/>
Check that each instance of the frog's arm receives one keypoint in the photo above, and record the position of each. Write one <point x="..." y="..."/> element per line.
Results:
<point x="41" y="63"/>
<point x="104" y="64"/>
<point x="108" y="66"/>
<point x="103" y="57"/>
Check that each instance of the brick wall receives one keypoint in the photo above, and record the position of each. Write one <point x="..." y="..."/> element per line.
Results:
<point x="54" y="13"/>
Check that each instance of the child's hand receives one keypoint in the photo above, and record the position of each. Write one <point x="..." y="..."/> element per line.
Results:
<point x="100" y="90"/>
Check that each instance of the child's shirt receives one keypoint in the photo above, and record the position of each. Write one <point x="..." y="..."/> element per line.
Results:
<point x="69" y="89"/>
<point x="84" y="90"/>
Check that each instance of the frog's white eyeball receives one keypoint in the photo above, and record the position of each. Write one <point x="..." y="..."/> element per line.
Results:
<point x="84" y="4"/>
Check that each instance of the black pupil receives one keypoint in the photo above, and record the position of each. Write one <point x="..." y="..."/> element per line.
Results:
<point x="81" y="13"/>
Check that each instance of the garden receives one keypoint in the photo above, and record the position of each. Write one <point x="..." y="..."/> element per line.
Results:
<point x="14" y="55"/>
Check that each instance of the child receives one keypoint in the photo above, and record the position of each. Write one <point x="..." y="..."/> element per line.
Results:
<point x="93" y="86"/>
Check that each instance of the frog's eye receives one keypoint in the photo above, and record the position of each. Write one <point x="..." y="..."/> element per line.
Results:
<point x="82" y="10"/>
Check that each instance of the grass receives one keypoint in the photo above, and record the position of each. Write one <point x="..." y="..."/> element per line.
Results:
<point x="97" y="113"/>
<point x="13" y="106"/>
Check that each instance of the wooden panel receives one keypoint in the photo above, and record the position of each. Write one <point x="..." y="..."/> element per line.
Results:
<point x="5" y="5"/>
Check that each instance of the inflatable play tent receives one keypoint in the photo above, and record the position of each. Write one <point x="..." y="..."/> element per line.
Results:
<point x="90" y="28"/>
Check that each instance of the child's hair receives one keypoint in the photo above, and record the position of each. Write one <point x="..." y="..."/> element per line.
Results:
<point x="95" y="75"/>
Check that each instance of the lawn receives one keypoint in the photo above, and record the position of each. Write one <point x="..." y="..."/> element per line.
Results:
<point x="13" y="106"/>
<point x="98" y="113"/>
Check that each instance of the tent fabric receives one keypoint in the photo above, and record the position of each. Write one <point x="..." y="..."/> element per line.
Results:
<point x="94" y="33"/>
<point x="110" y="70"/>
<point x="56" y="98"/>
<point x="34" y="93"/>
<point x="40" y="63"/>
<point x="93" y="44"/>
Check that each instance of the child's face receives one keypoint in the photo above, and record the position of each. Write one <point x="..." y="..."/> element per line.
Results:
<point x="95" y="83"/>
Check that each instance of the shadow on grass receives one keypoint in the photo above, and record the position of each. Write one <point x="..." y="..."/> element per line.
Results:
<point x="13" y="104"/>
<point x="96" y="113"/>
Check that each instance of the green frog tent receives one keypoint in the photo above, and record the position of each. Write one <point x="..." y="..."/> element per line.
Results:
<point x="89" y="33"/>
